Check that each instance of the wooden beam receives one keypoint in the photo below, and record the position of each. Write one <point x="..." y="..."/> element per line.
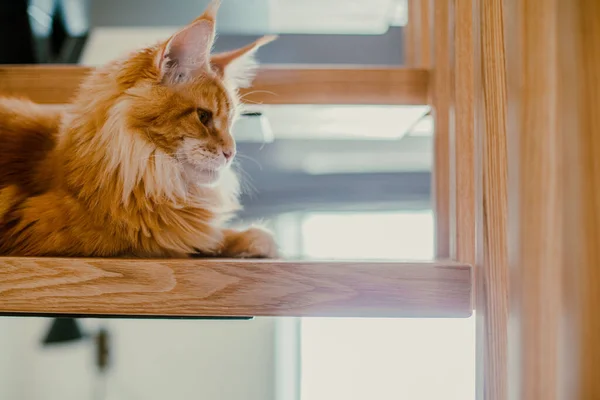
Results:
<point x="554" y="189"/>
<point x="579" y="97"/>
<point x="536" y="200"/>
<point x="466" y="177"/>
<point x="441" y="92"/>
<point x="453" y="95"/>
<point x="209" y="287"/>
<point x="492" y="289"/>
<point x="417" y="34"/>
<point x="478" y="177"/>
<point x="273" y="85"/>
<point x="579" y="124"/>
<point x="462" y="135"/>
<point x="410" y="34"/>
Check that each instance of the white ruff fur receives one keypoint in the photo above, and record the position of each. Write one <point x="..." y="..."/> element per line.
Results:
<point x="136" y="160"/>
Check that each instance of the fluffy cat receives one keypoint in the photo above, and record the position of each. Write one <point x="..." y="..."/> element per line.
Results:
<point x="139" y="163"/>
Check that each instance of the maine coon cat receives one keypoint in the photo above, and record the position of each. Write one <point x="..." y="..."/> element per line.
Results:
<point x="138" y="164"/>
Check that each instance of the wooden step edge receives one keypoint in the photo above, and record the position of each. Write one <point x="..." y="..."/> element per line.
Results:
<point x="219" y="287"/>
<point x="274" y="84"/>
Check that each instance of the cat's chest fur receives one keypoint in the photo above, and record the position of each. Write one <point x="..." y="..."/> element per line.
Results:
<point x="179" y="226"/>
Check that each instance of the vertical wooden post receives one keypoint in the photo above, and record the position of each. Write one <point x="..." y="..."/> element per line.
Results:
<point x="417" y="34"/>
<point x="579" y="84"/>
<point x="478" y="176"/>
<point x="470" y="176"/>
<point x="554" y="126"/>
<point x="471" y="198"/>
<point x="462" y="134"/>
<point x="441" y="100"/>
<point x="492" y="272"/>
<point x="535" y="230"/>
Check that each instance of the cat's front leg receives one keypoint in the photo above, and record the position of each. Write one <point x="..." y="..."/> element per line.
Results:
<point x="253" y="242"/>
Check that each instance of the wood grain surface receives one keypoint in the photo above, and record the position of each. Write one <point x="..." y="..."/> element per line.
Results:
<point x="492" y="290"/>
<point x="417" y="34"/>
<point x="57" y="84"/>
<point x="535" y="225"/>
<point x="204" y="287"/>
<point x="579" y="102"/>
<point x="441" y="93"/>
<point x="462" y="134"/>
<point x="554" y="187"/>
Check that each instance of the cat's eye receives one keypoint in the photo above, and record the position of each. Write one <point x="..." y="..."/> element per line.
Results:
<point x="204" y="116"/>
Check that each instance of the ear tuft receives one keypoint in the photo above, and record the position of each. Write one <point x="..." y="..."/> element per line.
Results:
<point x="238" y="67"/>
<point x="211" y="11"/>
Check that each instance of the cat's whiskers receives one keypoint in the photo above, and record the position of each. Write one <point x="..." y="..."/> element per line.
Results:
<point x="243" y="97"/>
<point x="246" y="185"/>
<point x="255" y="161"/>
<point x="256" y="103"/>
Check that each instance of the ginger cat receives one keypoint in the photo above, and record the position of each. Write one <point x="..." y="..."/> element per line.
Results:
<point x="139" y="163"/>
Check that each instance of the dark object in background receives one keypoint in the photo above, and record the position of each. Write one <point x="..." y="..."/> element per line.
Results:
<point x="67" y="330"/>
<point x="63" y="330"/>
<point x="102" y="349"/>
<point x="16" y="38"/>
<point x="33" y="32"/>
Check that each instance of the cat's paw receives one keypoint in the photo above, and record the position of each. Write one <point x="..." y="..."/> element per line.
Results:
<point x="251" y="243"/>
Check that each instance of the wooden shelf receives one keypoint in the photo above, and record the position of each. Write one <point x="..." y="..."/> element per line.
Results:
<point x="216" y="287"/>
<point x="56" y="84"/>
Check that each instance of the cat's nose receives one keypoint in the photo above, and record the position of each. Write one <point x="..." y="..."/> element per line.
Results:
<point x="228" y="154"/>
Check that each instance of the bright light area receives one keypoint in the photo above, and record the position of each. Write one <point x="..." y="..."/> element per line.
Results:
<point x="378" y="235"/>
<point x="416" y="359"/>
<point x="357" y="359"/>
<point x="113" y="34"/>
<point x="423" y="128"/>
<point x="343" y="122"/>
<point x="363" y="162"/>
<point x="333" y="16"/>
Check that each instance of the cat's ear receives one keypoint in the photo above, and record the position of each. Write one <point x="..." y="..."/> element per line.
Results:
<point x="239" y="66"/>
<point x="187" y="52"/>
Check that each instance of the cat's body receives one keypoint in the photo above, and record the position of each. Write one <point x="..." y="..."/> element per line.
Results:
<point x="137" y="165"/>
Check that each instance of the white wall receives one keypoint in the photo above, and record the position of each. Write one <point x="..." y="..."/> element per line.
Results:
<point x="151" y="359"/>
<point x="12" y="375"/>
<point x="194" y="359"/>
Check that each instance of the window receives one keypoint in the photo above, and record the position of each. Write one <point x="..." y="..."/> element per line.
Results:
<point x="369" y="235"/>
<point x="357" y="359"/>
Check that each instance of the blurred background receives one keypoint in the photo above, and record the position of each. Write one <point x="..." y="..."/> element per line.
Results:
<point x="333" y="182"/>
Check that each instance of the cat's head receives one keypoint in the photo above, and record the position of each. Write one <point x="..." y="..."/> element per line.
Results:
<point x="183" y="99"/>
